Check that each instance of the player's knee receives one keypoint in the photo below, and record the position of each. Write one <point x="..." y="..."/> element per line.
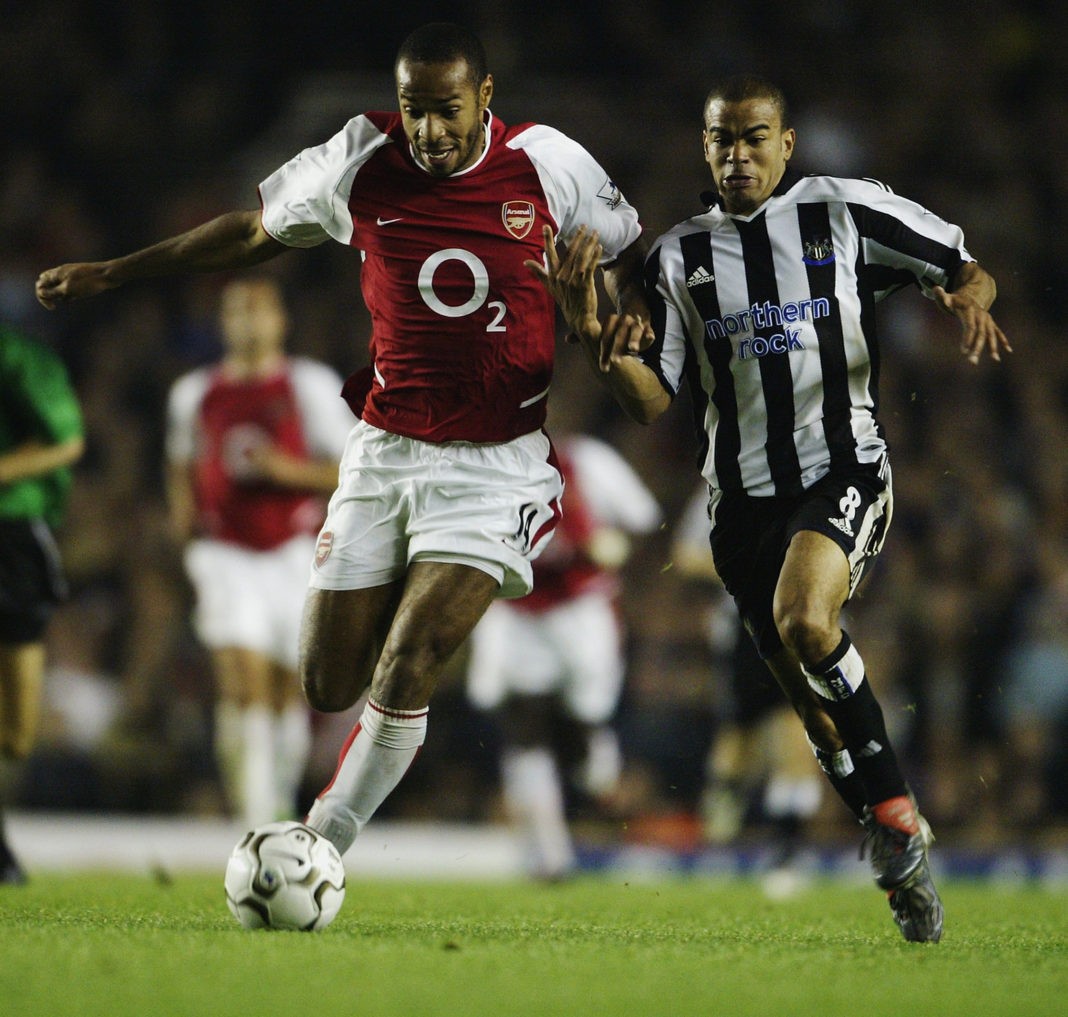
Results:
<point x="406" y="680"/>
<point x="803" y="631"/>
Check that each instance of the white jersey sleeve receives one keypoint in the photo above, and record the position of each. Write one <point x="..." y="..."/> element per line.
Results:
<point x="325" y="416"/>
<point x="896" y="215"/>
<point x="304" y="201"/>
<point x="578" y="191"/>
<point x="183" y="407"/>
<point x="614" y="492"/>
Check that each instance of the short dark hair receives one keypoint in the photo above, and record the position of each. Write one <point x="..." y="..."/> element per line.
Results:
<point x="742" y="87"/>
<point x="442" y="42"/>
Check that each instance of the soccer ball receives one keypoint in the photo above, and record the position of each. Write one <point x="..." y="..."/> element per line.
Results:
<point x="285" y="876"/>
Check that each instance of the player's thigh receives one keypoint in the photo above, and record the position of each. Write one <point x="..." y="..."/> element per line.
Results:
<point x="341" y="636"/>
<point x="439" y="607"/>
<point x="814" y="582"/>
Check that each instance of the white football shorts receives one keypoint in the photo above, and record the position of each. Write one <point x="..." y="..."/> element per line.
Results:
<point x="401" y="500"/>
<point x="573" y="651"/>
<point x="250" y="599"/>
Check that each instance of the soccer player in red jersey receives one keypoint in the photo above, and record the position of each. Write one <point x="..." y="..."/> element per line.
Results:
<point x="448" y="488"/>
<point x="253" y="445"/>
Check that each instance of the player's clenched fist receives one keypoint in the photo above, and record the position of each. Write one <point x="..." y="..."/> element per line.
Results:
<point x="73" y="282"/>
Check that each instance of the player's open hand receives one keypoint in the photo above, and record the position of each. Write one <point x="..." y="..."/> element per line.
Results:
<point x="73" y="282"/>
<point x="571" y="278"/>
<point x="979" y="330"/>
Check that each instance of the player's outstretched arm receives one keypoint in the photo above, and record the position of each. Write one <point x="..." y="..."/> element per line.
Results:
<point x="571" y="279"/>
<point x="233" y="240"/>
<point x="969" y="301"/>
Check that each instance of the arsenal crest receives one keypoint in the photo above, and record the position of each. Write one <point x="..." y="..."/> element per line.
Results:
<point x="518" y="217"/>
<point x="323" y="548"/>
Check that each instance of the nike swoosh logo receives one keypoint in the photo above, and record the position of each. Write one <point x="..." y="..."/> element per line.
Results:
<point x="386" y="222"/>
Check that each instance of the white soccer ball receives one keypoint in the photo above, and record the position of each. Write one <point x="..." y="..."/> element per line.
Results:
<point x="285" y="876"/>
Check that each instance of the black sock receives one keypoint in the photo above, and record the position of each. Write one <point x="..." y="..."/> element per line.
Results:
<point x="847" y="696"/>
<point x="840" y="771"/>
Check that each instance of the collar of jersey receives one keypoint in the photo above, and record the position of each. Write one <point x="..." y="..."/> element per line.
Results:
<point x="487" y="120"/>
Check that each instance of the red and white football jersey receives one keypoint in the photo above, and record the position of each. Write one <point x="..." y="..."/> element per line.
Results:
<point x="463" y="335"/>
<point x="215" y="421"/>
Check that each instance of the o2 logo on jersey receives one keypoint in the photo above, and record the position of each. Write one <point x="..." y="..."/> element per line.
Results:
<point x="479" y="292"/>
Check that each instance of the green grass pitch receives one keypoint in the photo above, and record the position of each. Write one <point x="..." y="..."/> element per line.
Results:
<point x="118" y="945"/>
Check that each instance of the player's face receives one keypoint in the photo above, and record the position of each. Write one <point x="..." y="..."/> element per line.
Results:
<point x="442" y="111"/>
<point x="747" y="149"/>
<point x="252" y="318"/>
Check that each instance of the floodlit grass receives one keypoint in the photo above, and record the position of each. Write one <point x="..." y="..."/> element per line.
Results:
<point x="121" y="945"/>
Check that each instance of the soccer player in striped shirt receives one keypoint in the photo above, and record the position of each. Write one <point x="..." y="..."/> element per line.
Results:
<point x="764" y="304"/>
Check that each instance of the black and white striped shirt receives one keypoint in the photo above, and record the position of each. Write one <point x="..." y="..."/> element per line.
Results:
<point x="770" y="318"/>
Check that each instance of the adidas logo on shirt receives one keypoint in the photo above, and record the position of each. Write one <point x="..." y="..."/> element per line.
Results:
<point x="699" y="277"/>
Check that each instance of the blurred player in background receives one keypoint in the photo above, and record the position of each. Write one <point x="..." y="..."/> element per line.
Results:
<point x="448" y="487"/>
<point x="41" y="437"/>
<point x="253" y="445"/>
<point x="760" y="765"/>
<point x="551" y="665"/>
<point x="765" y="304"/>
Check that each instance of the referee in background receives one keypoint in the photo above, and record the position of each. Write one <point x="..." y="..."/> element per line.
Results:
<point x="40" y="438"/>
<point x="764" y="304"/>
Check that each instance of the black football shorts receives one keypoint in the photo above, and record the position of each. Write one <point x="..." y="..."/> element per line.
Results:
<point x="750" y="537"/>
<point x="31" y="579"/>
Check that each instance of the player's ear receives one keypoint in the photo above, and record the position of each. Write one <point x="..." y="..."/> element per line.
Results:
<point x="789" y="136"/>
<point x="485" y="91"/>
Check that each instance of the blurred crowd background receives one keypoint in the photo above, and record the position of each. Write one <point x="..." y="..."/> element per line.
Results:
<point x="128" y="122"/>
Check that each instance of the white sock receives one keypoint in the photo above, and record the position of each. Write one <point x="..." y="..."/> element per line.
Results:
<point x="378" y="753"/>
<point x="257" y="801"/>
<point x="599" y="773"/>
<point x="535" y="800"/>
<point x="292" y="743"/>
